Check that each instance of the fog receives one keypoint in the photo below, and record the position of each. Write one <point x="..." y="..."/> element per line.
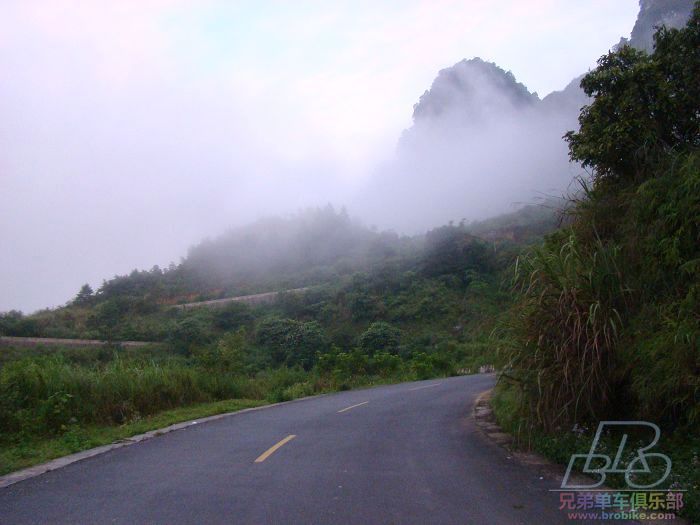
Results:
<point x="130" y="131"/>
<point x="481" y="144"/>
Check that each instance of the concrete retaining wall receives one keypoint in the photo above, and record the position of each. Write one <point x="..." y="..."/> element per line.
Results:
<point x="50" y="341"/>
<point x="259" y="298"/>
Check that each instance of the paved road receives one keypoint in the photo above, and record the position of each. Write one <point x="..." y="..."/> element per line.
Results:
<point x="406" y="453"/>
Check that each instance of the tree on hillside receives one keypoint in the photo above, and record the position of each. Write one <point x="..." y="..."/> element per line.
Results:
<point x="644" y="106"/>
<point x="84" y="295"/>
<point x="228" y="354"/>
<point x="306" y="342"/>
<point x="14" y="323"/>
<point x="380" y="337"/>
<point x="450" y="250"/>
<point x="292" y="342"/>
<point x="189" y="333"/>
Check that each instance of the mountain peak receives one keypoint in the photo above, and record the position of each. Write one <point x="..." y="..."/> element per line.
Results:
<point x="471" y="87"/>
<point x="654" y="14"/>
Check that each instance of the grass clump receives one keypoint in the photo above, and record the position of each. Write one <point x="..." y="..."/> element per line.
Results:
<point x="569" y="321"/>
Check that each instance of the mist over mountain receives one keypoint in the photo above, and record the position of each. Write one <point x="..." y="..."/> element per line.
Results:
<point x="652" y="14"/>
<point x="656" y="13"/>
<point x="482" y="144"/>
<point x="273" y="253"/>
<point x="471" y="91"/>
<point x="123" y="148"/>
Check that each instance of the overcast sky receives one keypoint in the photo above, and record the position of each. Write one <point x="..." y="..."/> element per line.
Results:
<point x="131" y="129"/>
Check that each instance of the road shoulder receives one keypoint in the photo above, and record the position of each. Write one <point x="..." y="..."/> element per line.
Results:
<point x="485" y="420"/>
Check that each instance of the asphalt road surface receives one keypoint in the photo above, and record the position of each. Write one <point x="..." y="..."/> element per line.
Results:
<point x="407" y="453"/>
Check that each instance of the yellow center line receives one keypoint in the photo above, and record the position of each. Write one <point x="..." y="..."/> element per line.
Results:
<point x="262" y="457"/>
<point x="353" y="406"/>
<point x="426" y="386"/>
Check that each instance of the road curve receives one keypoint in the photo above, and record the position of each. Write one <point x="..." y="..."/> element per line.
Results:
<point x="407" y="453"/>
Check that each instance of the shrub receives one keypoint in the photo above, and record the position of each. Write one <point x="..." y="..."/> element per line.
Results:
<point x="380" y="337"/>
<point x="228" y="354"/>
<point x="188" y="333"/>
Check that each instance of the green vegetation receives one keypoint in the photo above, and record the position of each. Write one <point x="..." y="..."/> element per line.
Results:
<point x="607" y="320"/>
<point x="606" y="323"/>
<point x="410" y="309"/>
<point x="601" y="322"/>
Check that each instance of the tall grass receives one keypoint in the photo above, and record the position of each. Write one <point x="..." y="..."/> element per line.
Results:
<point x="572" y="299"/>
<point x="47" y="395"/>
<point x="607" y="323"/>
<point x="50" y="395"/>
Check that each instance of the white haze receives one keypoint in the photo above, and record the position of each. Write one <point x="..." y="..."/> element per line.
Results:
<point x="130" y="130"/>
<point x="480" y="145"/>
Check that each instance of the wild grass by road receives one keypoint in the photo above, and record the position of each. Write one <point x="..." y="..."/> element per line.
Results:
<point x="683" y="449"/>
<point x="28" y="451"/>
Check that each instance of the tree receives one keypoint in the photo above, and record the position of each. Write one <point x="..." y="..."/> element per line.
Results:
<point x="227" y="355"/>
<point x="84" y="295"/>
<point x="644" y="106"/>
<point x="108" y="317"/>
<point x="380" y="337"/>
<point x="293" y="342"/>
<point x="272" y="334"/>
<point x="14" y="323"/>
<point x="189" y="333"/>
<point x="305" y="343"/>
<point x="450" y="250"/>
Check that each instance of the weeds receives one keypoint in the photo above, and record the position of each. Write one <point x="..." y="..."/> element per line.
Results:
<point x="572" y="302"/>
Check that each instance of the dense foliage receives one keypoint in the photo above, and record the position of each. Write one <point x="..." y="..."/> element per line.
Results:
<point x="608" y="321"/>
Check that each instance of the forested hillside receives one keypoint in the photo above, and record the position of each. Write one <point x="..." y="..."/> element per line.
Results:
<point x="606" y="324"/>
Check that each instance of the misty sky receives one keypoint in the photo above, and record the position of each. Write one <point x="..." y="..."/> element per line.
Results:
<point x="129" y="130"/>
